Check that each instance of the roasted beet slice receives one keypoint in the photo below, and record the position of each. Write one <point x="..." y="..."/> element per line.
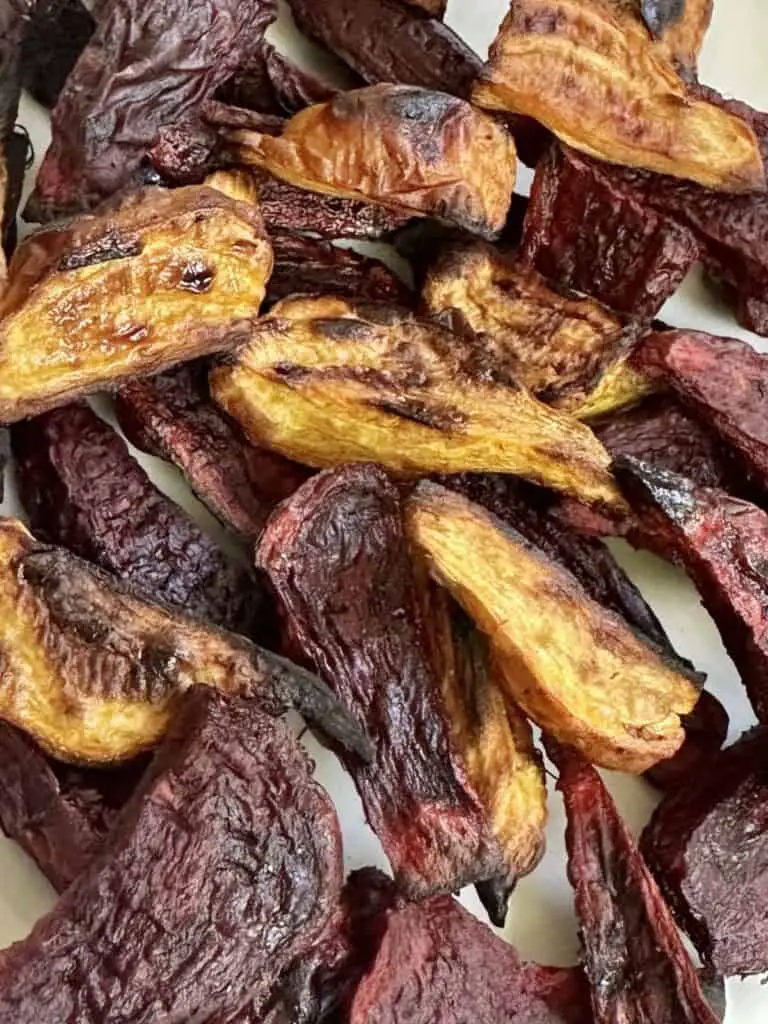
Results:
<point x="526" y="509"/>
<point x="60" y="815"/>
<point x="172" y="416"/>
<point x="338" y="559"/>
<point x="633" y="955"/>
<point x="707" y="845"/>
<point x="228" y="812"/>
<point x="632" y="258"/>
<point x="270" y="83"/>
<point x="663" y="433"/>
<point x="82" y="489"/>
<point x="54" y="38"/>
<point x="721" y="542"/>
<point x="147" y="65"/>
<point x="434" y="955"/>
<point x="724" y="381"/>
<point x="313" y="267"/>
<point x="706" y="730"/>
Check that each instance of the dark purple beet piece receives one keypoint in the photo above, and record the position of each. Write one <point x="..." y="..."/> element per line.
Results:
<point x="437" y="962"/>
<point x="339" y="562"/>
<point x="631" y="259"/>
<point x="706" y="730"/>
<point x="149" y="63"/>
<point x="721" y="542"/>
<point x="82" y="489"/>
<point x="172" y="416"/>
<point x="223" y="869"/>
<point x="724" y="382"/>
<point x="60" y="815"/>
<point x="268" y="82"/>
<point x="707" y="845"/>
<point x="633" y="955"/>
<point x="314" y="267"/>
<point x="55" y="36"/>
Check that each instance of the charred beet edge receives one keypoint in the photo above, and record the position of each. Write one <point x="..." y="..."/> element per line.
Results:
<point x="55" y="36"/>
<point x="60" y="815"/>
<point x="435" y="954"/>
<point x="721" y="542"/>
<point x="17" y="155"/>
<point x="724" y="382"/>
<point x="706" y="845"/>
<point x="706" y="730"/>
<point x="310" y="266"/>
<point x="338" y="559"/>
<point x="172" y="416"/>
<point x="82" y="489"/>
<point x="525" y="508"/>
<point x="230" y="793"/>
<point x="633" y="956"/>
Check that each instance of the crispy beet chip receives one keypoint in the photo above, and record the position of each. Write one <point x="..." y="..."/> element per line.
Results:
<point x="435" y="955"/>
<point x="229" y="812"/>
<point x="60" y="815"/>
<point x="724" y="382"/>
<point x="706" y="730"/>
<point x="147" y="65"/>
<point x="721" y="542"/>
<point x="633" y="258"/>
<point x="707" y="845"/>
<point x="526" y="510"/>
<point x="82" y="489"/>
<point x="338" y="559"/>
<point x="633" y="955"/>
<point x="172" y="416"/>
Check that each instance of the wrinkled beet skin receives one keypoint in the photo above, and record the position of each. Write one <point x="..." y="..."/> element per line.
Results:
<point x="268" y="82"/>
<point x="524" y="508"/>
<point x="721" y="542"/>
<point x="339" y="563"/>
<point x="230" y="793"/>
<point x="58" y="814"/>
<point x="82" y="489"/>
<point x="706" y="729"/>
<point x="174" y="54"/>
<point x="662" y="432"/>
<point x="633" y="955"/>
<point x="172" y="416"/>
<point x="724" y="382"/>
<point x="313" y="267"/>
<point x="707" y="845"/>
<point x="632" y="258"/>
<point x="435" y="955"/>
<point x="54" y="38"/>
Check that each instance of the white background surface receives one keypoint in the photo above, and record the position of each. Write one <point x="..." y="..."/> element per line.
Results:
<point x="541" y="923"/>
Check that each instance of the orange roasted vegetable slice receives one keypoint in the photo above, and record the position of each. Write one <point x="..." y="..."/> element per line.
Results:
<point x="573" y="666"/>
<point x="591" y="72"/>
<point x="130" y="290"/>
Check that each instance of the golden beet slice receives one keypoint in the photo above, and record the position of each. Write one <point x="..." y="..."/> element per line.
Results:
<point x="94" y="672"/>
<point x="591" y="72"/>
<point x="412" y="150"/>
<point x="560" y="347"/>
<point x="326" y="381"/>
<point x="128" y="291"/>
<point x="495" y="740"/>
<point x="622" y="385"/>
<point x="573" y="666"/>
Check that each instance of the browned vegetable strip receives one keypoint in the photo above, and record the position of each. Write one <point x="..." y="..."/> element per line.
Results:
<point x="559" y="346"/>
<point x="95" y="673"/>
<point x="172" y="416"/>
<point x="592" y="73"/>
<point x="721" y="543"/>
<point x="414" y="151"/>
<point x="194" y="262"/>
<point x="706" y="730"/>
<point x="82" y="489"/>
<point x="574" y="667"/>
<point x="326" y="381"/>
<point x="634" y="957"/>
<point x="338" y="559"/>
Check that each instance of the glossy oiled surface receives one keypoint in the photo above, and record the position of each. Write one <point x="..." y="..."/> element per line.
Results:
<point x="541" y="921"/>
